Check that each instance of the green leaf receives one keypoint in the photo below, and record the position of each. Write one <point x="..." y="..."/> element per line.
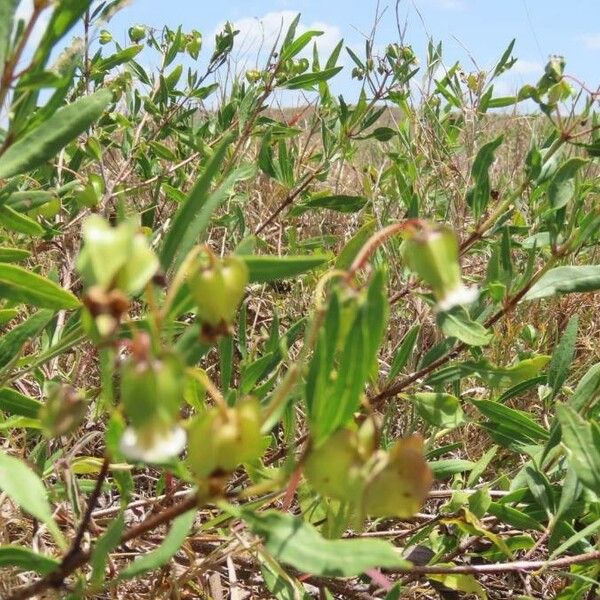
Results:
<point x="298" y="544"/>
<point x="14" y="403"/>
<point x="383" y="134"/>
<point x="443" y="469"/>
<point x="339" y="203"/>
<point x="11" y="343"/>
<point x="27" y="491"/>
<point x="562" y="185"/>
<point x="479" y="195"/>
<point x="481" y="465"/>
<point x="271" y="268"/>
<point x="105" y="544"/>
<point x="194" y="212"/>
<point x="15" y="221"/>
<point x="514" y="424"/>
<point x="52" y="135"/>
<point x="456" y="323"/>
<point x="20" y="285"/>
<point x="26" y="559"/>
<point x="562" y="356"/>
<point x="170" y="546"/>
<point x="307" y="81"/>
<point x="354" y="244"/>
<point x="587" y="390"/>
<point x="29" y="200"/>
<point x="298" y="45"/>
<point x="582" y="439"/>
<point x="577" y="537"/>
<point x="7" y="314"/>
<point x="438" y="409"/>
<point x="514" y="517"/>
<point x="565" y="280"/>
<point x="460" y="583"/>
<point x="118" y="58"/>
<point x="404" y="352"/>
<point x="13" y="254"/>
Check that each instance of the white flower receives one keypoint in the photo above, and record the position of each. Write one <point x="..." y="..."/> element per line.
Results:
<point x="458" y="296"/>
<point x="153" y="445"/>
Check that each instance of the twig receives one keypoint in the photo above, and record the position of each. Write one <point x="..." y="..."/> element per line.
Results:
<point x="517" y="565"/>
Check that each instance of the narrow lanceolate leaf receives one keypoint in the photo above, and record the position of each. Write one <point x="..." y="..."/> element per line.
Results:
<point x="14" y="403"/>
<point x="582" y="439"/>
<point x="562" y="357"/>
<point x="20" y="285"/>
<point x="271" y="268"/>
<point x="15" y="221"/>
<point x="45" y="141"/>
<point x="478" y="197"/>
<point x="26" y="560"/>
<point x="105" y="544"/>
<point x="27" y="491"/>
<point x="587" y="391"/>
<point x="307" y="81"/>
<point x="13" y="254"/>
<point x="564" y="280"/>
<point x="298" y="544"/>
<point x="194" y="211"/>
<point x="169" y="547"/>
<point x="11" y="343"/>
<point x="404" y="352"/>
<point x="339" y="203"/>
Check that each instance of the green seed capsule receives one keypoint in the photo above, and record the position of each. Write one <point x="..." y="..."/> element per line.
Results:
<point x="221" y="441"/>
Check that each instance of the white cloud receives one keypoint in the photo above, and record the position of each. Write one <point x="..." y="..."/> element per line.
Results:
<point x="591" y="41"/>
<point x="258" y="34"/>
<point x="527" y="67"/>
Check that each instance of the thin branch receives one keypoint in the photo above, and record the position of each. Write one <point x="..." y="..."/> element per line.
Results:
<point x="517" y="565"/>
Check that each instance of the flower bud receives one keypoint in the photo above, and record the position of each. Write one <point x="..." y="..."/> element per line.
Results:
<point x="432" y="253"/>
<point x="222" y="439"/>
<point x="105" y="37"/>
<point x="64" y="410"/>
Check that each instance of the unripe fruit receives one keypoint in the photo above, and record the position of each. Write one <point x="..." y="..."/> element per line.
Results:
<point x="432" y="253"/>
<point x="152" y="390"/>
<point x="137" y="33"/>
<point x="235" y="276"/>
<point x="334" y="468"/>
<point x="222" y="439"/>
<point x="401" y="485"/>
<point x="64" y="410"/>
<point x="218" y="290"/>
<point x="253" y="75"/>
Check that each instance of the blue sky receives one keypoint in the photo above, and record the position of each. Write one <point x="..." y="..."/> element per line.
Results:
<point x="468" y="28"/>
